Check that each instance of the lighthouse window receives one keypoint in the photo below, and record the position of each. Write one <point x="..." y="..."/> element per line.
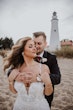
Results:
<point x="54" y="30"/>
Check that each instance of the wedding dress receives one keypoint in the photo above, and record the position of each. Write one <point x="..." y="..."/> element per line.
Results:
<point x="33" y="99"/>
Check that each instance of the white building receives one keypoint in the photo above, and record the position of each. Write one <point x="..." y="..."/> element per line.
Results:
<point x="54" y="38"/>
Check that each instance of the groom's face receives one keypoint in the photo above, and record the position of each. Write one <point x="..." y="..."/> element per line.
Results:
<point x="40" y="44"/>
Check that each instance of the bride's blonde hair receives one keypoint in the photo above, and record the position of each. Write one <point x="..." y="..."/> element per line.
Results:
<point x="15" y="58"/>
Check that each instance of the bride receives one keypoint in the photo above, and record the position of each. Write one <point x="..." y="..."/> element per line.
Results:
<point x="35" y="79"/>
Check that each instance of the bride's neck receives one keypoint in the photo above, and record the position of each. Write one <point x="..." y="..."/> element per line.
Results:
<point x="29" y="61"/>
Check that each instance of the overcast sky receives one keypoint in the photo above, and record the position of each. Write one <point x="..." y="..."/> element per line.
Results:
<point x="19" y="18"/>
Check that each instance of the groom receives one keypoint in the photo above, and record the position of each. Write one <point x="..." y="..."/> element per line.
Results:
<point x="51" y="61"/>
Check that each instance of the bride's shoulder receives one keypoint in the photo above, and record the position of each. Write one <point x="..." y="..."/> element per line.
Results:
<point x="45" y="68"/>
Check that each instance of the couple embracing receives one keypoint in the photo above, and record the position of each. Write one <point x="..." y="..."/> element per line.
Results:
<point x="32" y="80"/>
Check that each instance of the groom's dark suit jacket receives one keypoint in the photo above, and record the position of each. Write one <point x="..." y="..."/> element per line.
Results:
<point x="54" y="72"/>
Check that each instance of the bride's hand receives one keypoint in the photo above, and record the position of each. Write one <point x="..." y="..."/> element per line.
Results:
<point x="25" y="77"/>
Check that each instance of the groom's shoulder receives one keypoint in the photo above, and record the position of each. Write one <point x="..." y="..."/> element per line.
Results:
<point x="50" y="54"/>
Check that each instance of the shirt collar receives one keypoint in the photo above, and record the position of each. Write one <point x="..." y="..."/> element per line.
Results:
<point x="41" y="55"/>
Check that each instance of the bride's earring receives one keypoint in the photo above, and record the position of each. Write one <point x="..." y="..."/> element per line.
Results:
<point x="23" y="54"/>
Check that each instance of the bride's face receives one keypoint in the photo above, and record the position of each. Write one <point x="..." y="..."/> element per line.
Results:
<point x="30" y="49"/>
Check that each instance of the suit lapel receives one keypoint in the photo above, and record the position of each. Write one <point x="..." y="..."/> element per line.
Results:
<point x="45" y="54"/>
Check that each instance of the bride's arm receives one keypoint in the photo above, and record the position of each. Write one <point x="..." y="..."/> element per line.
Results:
<point x="48" y="89"/>
<point x="14" y="73"/>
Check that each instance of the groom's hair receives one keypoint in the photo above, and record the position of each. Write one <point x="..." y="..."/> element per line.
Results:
<point x="37" y="34"/>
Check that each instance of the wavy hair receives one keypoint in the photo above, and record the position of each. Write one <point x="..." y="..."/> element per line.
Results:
<point x="15" y="58"/>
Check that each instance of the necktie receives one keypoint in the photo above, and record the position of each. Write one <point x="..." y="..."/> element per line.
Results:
<point x="38" y="59"/>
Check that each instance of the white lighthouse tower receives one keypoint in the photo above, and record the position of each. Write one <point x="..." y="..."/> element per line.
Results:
<point x="54" y="38"/>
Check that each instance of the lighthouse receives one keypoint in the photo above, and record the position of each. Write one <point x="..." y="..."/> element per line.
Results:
<point x="54" y="38"/>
